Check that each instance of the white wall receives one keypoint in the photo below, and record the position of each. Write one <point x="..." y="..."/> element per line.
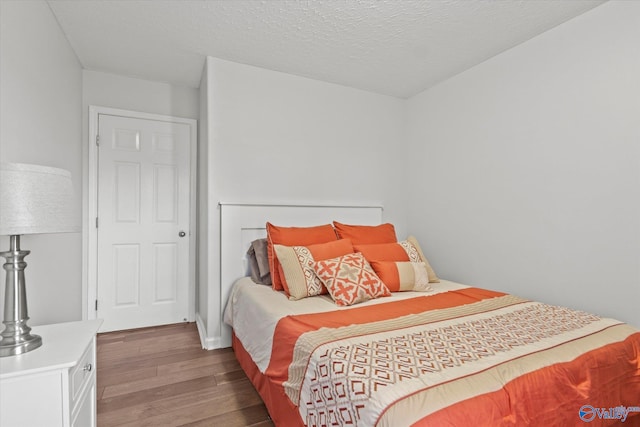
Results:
<point x="205" y="205"/>
<point x="40" y="122"/>
<point x="276" y="137"/>
<point x="526" y="168"/>
<point x="115" y="91"/>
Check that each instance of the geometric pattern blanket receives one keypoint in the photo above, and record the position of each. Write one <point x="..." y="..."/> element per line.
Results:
<point x="434" y="360"/>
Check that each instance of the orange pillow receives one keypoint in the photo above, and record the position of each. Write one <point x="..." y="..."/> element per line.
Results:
<point x="293" y="236"/>
<point x="402" y="276"/>
<point x="383" y="252"/>
<point x="366" y="234"/>
<point x="296" y="266"/>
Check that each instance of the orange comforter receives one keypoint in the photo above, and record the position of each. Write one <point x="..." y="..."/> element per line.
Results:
<point x="465" y="357"/>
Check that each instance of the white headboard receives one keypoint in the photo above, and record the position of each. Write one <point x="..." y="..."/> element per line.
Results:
<point x="242" y="223"/>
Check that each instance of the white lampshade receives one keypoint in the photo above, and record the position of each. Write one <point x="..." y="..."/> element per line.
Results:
<point x="36" y="199"/>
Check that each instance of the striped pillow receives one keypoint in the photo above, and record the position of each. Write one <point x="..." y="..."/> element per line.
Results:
<point x="297" y="262"/>
<point x="402" y="276"/>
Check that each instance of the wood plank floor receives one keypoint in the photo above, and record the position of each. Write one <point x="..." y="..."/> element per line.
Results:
<point x="162" y="377"/>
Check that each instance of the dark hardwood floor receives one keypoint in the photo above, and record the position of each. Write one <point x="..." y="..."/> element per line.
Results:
<point x="162" y="377"/>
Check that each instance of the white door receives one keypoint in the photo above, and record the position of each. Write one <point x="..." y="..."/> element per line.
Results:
<point x="143" y="217"/>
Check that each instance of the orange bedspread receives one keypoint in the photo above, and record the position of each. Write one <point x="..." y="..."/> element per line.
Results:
<point x="465" y="357"/>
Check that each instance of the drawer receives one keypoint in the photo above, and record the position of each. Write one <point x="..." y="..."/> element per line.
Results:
<point x="82" y="373"/>
<point x="85" y="412"/>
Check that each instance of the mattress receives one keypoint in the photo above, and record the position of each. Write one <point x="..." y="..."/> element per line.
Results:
<point x="435" y="358"/>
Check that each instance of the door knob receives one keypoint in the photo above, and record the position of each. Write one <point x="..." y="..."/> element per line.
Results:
<point x="182" y="234"/>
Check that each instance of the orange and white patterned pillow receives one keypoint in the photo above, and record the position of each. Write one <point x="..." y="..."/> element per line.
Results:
<point x="296" y="266"/>
<point x="350" y="279"/>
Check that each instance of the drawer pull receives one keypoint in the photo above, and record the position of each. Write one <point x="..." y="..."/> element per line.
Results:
<point x="87" y="367"/>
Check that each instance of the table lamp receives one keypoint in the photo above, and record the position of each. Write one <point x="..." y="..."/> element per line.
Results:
<point x="34" y="199"/>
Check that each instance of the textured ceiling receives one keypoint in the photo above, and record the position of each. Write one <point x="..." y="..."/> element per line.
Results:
<point x="393" y="47"/>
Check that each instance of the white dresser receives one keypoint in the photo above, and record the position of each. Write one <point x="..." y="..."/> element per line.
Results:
<point x="54" y="385"/>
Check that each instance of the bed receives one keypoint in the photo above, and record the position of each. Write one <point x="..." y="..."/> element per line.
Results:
<point x="450" y="355"/>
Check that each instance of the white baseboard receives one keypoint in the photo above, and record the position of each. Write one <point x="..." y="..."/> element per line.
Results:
<point x="208" y="343"/>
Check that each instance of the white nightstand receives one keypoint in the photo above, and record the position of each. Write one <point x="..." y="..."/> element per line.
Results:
<point x="54" y="385"/>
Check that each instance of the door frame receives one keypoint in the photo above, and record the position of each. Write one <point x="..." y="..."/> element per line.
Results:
<point x="90" y="207"/>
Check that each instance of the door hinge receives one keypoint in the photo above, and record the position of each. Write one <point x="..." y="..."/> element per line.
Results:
<point x="96" y="305"/>
<point x="96" y="222"/>
<point x="98" y="140"/>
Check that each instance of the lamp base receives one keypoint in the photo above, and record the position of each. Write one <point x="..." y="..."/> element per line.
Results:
<point x="16" y="337"/>
<point x="26" y="342"/>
